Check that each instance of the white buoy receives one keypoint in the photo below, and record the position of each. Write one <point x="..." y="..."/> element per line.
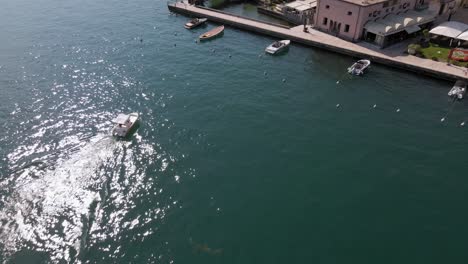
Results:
<point x="398" y="110"/>
<point x="337" y="105"/>
<point x="265" y="73"/>
<point x="374" y="106"/>
<point x="442" y="119"/>
<point x="337" y="82"/>
<point x="462" y="123"/>
<point x="284" y="80"/>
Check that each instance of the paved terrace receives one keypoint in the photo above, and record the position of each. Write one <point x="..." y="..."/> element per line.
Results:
<point x="392" y="56"/>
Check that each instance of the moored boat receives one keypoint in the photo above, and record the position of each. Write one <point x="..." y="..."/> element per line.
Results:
<point x="359" y="67"/>
<point x="195" y="23"/>
<point x="278" y="46"/>
<point x="458" y="90"/>
<point x="212" y="33"/>
<point x="124" y="124"/>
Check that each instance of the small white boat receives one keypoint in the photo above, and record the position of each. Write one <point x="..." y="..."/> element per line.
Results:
<point x="124" y="124"/>
<point x="195" y="23"/>
<point x="359" y="67"/>
<point x="458" y="90"/>
<point x="278" y="46"/>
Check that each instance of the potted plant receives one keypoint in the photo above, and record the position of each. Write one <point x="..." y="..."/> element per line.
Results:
<point x="413" y="49"/>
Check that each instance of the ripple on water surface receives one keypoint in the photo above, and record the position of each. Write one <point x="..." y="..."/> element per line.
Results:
<point x="70" y="187"/>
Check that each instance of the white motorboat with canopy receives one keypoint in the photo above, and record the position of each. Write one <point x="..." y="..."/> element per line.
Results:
<point x="124" y="124"/>
<point x="458" y="90"/>
<point x="278" y="46"/>
<point x="359" y="67"/>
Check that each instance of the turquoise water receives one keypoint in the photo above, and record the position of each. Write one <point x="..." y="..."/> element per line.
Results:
<point x="230" y="164"/>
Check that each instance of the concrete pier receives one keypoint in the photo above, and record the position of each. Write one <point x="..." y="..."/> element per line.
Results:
<point x="392" y="56"/>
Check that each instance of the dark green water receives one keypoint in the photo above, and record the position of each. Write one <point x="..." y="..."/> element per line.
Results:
<point x="230" y="163"/>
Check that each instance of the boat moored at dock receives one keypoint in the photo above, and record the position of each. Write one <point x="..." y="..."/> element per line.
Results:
<point x="124" y="124"/>
<point x="359" y="67"/>
<point x="212" y="33"/>
<point x="193" y="23"/>
<point x="278" y="46"/>
<point x="458" y="90"/>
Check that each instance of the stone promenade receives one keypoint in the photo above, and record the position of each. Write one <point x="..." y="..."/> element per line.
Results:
<point x="392" y="56"/>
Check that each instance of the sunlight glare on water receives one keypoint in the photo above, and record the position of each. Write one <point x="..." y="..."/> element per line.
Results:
<point x="239" y="157"/>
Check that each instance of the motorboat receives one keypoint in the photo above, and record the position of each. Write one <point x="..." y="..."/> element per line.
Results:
<point x="195" y="23"/>
<point x="278" y="46"/>
<point x="359" y="67"/>
<point x="458" y="90"/>
<point x="212" y="33"/>
<point x="124" y="124"/>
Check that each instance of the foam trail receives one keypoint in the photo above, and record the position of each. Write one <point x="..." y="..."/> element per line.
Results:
<point x="50" y="211"/>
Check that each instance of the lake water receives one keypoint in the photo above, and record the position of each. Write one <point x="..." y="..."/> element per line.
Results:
<point x="239" y="158"/>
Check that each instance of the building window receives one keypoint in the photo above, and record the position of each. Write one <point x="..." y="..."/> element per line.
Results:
<point x="385" y="4"/>
<point x="386" y="11"/>
<point x="327" y="7"/>
<point x="370" y="14"/>
<point x="350" y="13"/>
<point x="325" y="21"/>
<point x="346" y="28"/>
<point x="393" y="8"/>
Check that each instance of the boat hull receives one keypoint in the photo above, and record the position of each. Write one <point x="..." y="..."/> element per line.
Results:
<point x="458" y="90"/>
<point x="277" y="50"/>
<point x="359" y="67"/>
<point x="195" y="23"/>
<point x="214" y="33"/>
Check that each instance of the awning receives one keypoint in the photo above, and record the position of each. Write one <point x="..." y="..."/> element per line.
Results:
<point x="463" y="36"/>
<point x="121" y="119"/>
<point x="396" y="23"/>
<point x="412" y="29"/>
<point x="449" y="29"/>
<point x="302" y="5"/>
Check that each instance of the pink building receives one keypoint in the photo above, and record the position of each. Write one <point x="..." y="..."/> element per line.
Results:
<point x="382" y="22"/>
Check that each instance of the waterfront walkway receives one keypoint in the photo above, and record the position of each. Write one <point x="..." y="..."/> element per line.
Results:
<point x="392" y="56"/>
